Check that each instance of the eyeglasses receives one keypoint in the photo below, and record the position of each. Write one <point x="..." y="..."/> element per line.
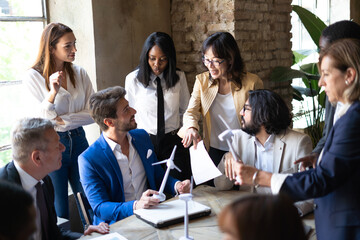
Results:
<point x="246" y="108"/>
<point x="216" y="63"/>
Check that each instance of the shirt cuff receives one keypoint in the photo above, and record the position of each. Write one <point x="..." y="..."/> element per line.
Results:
<point x="134" y="205"/>
<point x="177" y="193"/>
<point x="277" y="181"/>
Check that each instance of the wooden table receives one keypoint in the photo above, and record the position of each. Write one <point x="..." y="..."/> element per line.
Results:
<point x="202" y="228"/>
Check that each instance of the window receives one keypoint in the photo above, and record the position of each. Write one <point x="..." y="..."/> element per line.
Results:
<point x="329" y="11"/>
<point x="21" y="25"/>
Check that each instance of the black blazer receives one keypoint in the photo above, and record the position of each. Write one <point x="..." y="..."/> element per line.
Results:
<point x="10" y="173"/>
<point x="335" y="182"/>
<point x="329" y="119"/>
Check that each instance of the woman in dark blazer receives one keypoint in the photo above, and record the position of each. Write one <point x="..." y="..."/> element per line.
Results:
<point x="335" y="181"/>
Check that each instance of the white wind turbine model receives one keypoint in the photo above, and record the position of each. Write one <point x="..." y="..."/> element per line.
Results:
<point x="170" y="165"/>
<point x="226" y="136"/>
<point x="187" y="197"/>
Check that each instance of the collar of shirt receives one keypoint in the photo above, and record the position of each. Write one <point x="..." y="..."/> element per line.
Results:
<point x="268" y="143"/>
<point x="153" y="77"/>
<point x="340" y="110"/>
<point x="27" y="181"/>
<point x="114" y="146"/>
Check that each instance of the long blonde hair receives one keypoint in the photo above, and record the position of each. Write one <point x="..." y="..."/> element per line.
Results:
<point x="45" y="62"/>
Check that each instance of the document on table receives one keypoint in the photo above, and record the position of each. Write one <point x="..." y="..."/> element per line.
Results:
<point x="203" y="168"/>
<point x="111" y="236"/>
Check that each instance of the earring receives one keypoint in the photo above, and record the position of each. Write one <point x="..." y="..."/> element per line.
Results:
<point x="346" y="82"/>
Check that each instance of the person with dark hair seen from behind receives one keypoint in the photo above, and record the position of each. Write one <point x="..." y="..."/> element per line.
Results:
<point x="338" y="30"/>
<point x="18" y="212"/>
<point x="261" y="217"/>
<point x="60" y="91"/>
<point x="159" y="93"/>
<point x="37" y="151"/>
<point x="222" y="90"/>
<point x="334" y="182"/>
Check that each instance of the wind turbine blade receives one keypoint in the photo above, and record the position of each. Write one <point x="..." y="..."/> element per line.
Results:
<point x="177" y="168"/>
<point x="173" y="153"/>
<point x="191" y="184"/>
<point x="161" y="162"/>
<point x="221" y="118"/>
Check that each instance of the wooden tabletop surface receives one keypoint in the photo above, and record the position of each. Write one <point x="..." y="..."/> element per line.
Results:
<point x="202" y="228"/>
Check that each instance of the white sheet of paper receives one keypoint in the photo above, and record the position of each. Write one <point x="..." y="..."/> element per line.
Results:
<point x="111" y="236"/>
<point x="203" y="168"/>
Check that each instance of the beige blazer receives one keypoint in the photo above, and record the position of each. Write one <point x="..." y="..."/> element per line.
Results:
<point x="289" y="146"/>
<point x="203" y="95"/>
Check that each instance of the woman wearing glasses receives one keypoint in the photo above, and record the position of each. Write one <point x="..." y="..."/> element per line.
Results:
<point x="222" y="90"/>
<point x="159" y="93"/>
<point x="60" y="91"/>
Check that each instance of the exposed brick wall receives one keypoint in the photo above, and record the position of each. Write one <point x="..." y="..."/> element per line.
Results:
<point x="260" y="27"/>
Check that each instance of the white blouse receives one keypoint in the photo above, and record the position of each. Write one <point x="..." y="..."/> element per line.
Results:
<point x="144" y="101"/>
<point x="72" y="105"/>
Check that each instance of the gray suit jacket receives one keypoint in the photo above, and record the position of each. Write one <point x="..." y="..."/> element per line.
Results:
<point x="289" y="146"/>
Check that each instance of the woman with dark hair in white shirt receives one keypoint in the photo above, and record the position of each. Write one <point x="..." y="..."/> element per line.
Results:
<point x="59" y="91"/>
<point x="159" y="93"/>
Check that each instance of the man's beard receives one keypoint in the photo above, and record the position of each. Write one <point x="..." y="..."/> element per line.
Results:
<point x="249" y="128"/>
<point x="125" y="127"/>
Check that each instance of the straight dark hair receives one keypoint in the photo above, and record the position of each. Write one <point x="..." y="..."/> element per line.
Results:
<point x="225" y="47"/>
<point x="269" y="109"/>
<point x="166" y="44"/>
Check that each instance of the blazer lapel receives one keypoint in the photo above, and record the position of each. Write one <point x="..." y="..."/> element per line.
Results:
<point x="110" y="158"/>
<point x="279" y="146"/>
<point x="13" y="175"/>
<point x="209" y="95"/>
<point x="142" y="151"/>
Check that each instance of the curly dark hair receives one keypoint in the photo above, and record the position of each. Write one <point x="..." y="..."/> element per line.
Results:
<point x="269" y="109"/>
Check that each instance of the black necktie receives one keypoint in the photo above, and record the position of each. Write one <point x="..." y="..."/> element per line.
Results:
<point x="40" y="201"/>
<point x="160" y="111"/>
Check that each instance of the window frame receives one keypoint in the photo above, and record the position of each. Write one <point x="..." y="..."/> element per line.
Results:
<point x="44" y="20"/>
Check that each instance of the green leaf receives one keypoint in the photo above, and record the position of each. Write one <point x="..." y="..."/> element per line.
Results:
<point x="298" y="57"/>
<point x="313" y="24"/>
<point x="297" y="94"/>
<point x="310" y="68"/>
<point x="282" y="74"/>
<point x="321" y="99"/>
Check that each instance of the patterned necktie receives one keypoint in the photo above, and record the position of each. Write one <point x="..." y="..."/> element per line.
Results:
<point x="160" y="111"/>
<point x="41" y="204"/>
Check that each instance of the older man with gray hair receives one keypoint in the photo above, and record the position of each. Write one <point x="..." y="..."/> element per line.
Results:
<point x="37" y="151"/>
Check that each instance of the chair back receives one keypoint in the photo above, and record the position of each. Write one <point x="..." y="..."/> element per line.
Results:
<point x="85" y="209"/>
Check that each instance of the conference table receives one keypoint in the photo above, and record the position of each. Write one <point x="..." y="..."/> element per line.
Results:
<point x="205" y="228"/>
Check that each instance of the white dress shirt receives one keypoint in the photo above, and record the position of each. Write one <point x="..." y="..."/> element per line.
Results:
<point x="265" y="154"/>
<point x="132" y="170"/>
<point x="224" y="106"/>
<point x="28" y="183"/>
<point x="72" y="105"/>
<point x="144" y="101"/>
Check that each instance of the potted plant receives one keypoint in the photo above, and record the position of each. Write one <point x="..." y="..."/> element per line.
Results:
<point x="310" y="76"/>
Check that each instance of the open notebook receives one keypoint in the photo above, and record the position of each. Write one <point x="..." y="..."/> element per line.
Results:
<point x="168" y="213"/>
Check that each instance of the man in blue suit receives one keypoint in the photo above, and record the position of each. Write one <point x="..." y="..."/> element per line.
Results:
<point x="116" y="170"/>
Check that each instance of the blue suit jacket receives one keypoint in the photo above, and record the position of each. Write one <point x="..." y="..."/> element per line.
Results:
<point x="335" y="182"/>
<point x="102" y="180"/>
